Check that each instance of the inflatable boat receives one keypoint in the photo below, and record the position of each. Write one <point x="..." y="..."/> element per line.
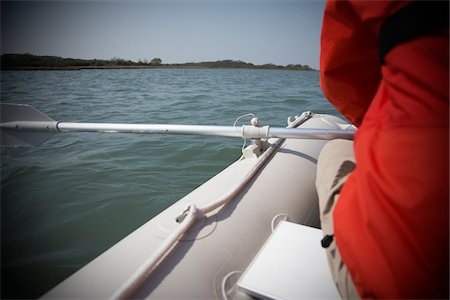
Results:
<point x="200" y="247"/>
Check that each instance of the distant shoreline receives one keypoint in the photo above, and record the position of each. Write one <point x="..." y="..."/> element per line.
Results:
<point x="29" y="62"/>
<point x="76" y="68"/>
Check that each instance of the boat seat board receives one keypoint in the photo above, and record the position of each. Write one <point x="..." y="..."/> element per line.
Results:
<point x="291" y="265"/>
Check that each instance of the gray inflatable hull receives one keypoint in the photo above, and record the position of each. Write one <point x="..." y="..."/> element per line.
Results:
<point x="220" y="246"/>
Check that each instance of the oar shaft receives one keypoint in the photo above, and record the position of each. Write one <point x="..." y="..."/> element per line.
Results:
<point x="310" y="133"/>
<point x="152" y="128"/>
<point x="246" y="131"/>
<point x="24" y="125"/>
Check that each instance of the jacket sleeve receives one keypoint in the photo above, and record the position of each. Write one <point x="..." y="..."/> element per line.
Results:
<point x="349" y="60"/>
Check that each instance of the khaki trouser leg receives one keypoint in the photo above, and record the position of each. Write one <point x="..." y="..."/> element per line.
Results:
<point x="336" y="161"/>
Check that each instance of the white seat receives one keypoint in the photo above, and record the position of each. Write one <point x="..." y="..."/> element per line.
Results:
<point x="291" y="265"/>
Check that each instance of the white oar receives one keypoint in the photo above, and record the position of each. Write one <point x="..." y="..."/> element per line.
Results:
<point x="23" y="125"/>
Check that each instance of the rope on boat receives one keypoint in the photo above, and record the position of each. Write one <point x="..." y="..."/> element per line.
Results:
<point x="140" y="275"/>
<point x="187" y="219"/>
<point x="240" y="117"/>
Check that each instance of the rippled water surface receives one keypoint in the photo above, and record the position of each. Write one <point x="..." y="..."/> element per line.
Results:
<point x="66" y="201"/>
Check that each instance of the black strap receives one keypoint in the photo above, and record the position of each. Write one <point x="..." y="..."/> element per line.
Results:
<point x="326" y="241"/>
<point x="420" y="18"/>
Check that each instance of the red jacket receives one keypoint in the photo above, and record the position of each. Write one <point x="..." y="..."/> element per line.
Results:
<point x="391" y="220"/>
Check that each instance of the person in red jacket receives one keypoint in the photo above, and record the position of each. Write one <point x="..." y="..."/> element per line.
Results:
<point x="384" y="199"/>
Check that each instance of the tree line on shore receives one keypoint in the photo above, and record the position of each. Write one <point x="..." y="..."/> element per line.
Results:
<point x="36" y="62"/>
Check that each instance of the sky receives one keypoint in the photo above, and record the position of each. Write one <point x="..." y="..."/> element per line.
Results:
<point x="176" y="31"/>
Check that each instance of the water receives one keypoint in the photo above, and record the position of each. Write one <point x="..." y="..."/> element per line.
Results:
<point x="68" y="200"/>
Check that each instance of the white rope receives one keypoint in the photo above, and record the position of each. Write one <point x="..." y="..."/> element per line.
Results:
<point x="191" y="214"/>
<point x="240" y="117"/>
<point x="147" y="267"/>
<point x="240" y="185"/>
<point x="235" y="122"/>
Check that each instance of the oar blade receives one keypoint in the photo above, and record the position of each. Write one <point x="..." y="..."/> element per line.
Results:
<point x="12" y="138"/>
<point x="16" y="138"/>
